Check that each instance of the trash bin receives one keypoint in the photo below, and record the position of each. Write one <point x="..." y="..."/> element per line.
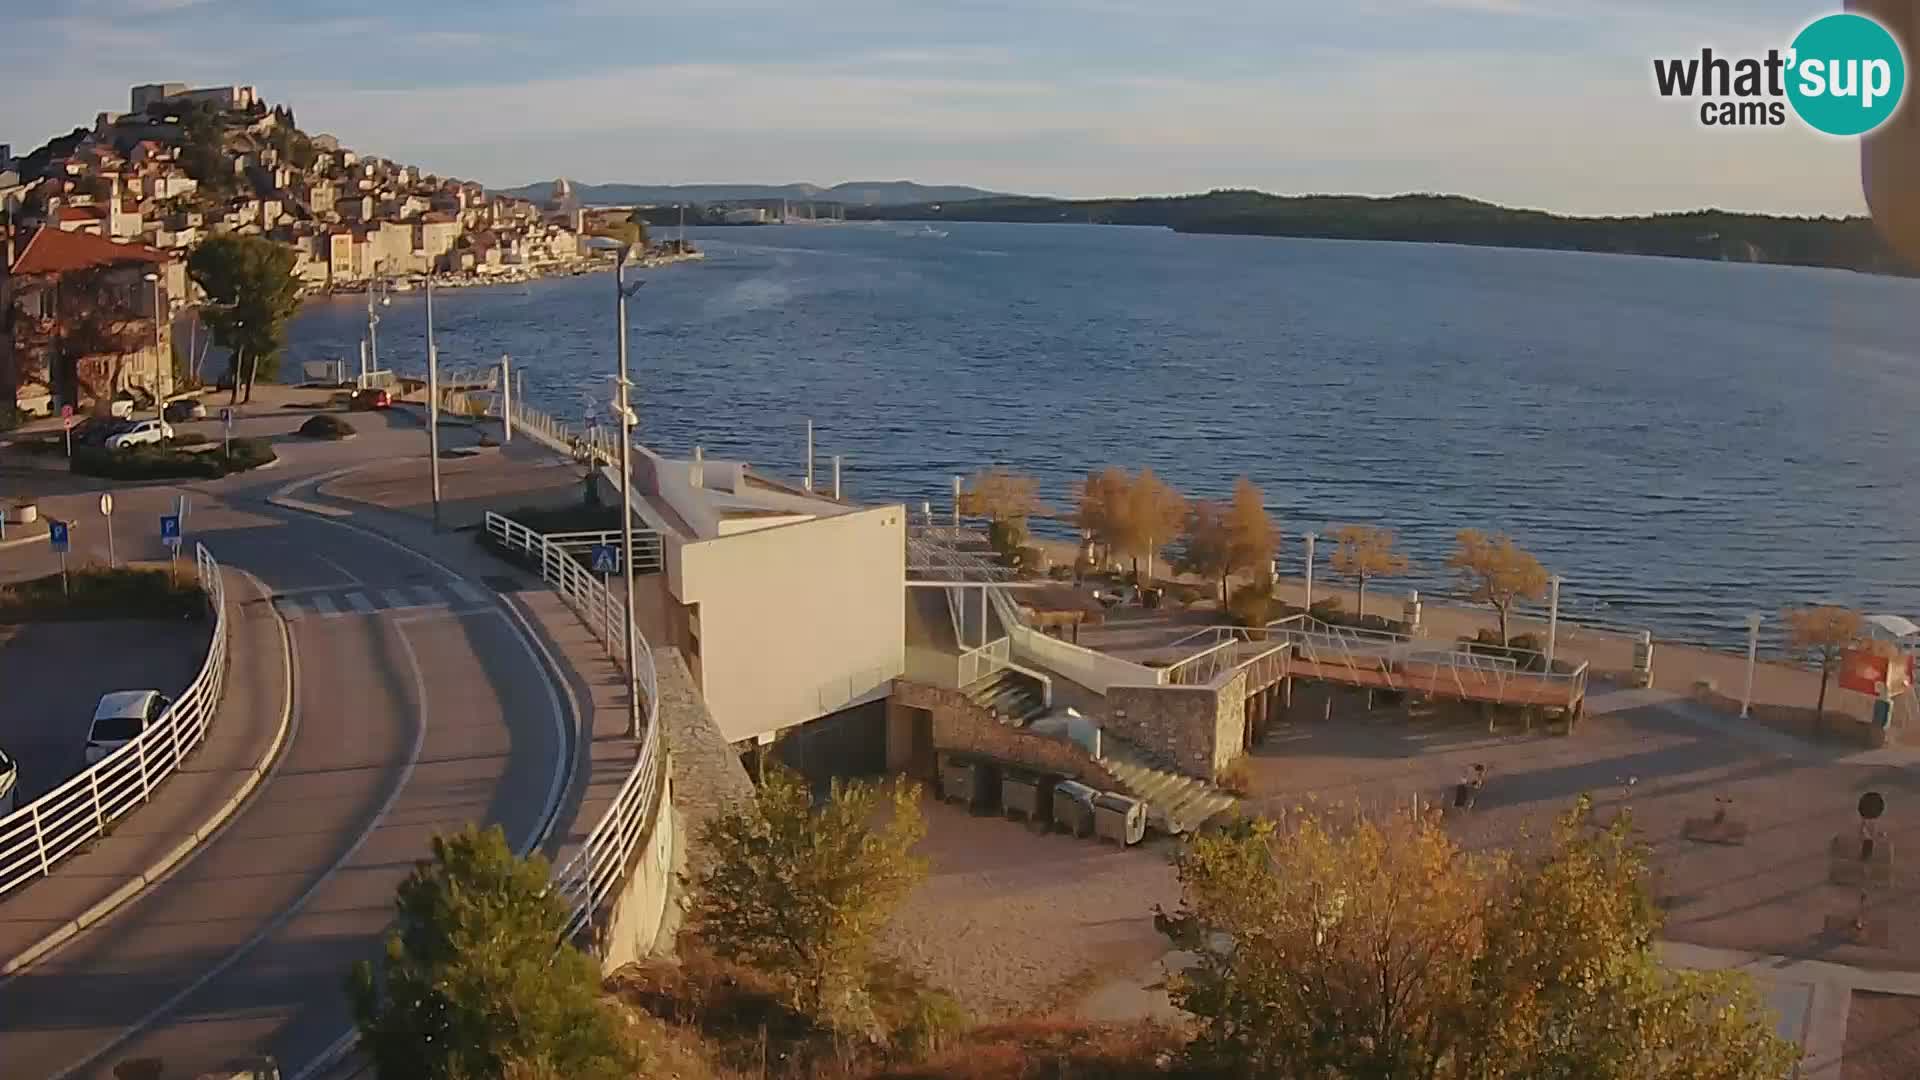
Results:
<point x="1073" y="807"/>
<point x="1027" y="795"/>
<point x="956" y="779"/>
<point x="1119" y="818"/>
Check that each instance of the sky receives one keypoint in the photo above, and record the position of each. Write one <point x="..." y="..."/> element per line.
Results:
<point x="1536" y="103"/>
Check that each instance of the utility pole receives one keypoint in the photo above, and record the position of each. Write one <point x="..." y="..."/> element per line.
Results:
<point x="506" y="397"/>
<point x="373" y="317"/>
<point x="620" y="292"/>
<point x="433" y="407"/>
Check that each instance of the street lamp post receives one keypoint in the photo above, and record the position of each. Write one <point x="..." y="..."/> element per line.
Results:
<point x="1553" y="618"/>
<point x="159" y="399"/>
<point x="433" y="406"/>
<point x="621" y="291"/>
<point x="1310" y="538"/>
<point x="372" y="352"/>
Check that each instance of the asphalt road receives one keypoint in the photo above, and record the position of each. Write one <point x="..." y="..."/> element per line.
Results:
<point x="409" y="718"/>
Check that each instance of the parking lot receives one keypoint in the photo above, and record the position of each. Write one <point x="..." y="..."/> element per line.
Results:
<point x="53" y="673"/>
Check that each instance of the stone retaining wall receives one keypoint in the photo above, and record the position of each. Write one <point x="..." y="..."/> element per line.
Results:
<point x="961" y="724"/>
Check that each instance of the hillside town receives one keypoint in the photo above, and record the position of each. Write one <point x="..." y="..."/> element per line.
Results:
<point x="123" y="203"/>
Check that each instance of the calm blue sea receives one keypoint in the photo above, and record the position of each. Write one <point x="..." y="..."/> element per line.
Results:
<point x="1683" y="441"/>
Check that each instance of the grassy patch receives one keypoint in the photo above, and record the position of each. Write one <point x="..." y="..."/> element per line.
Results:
<point x="170" y="463"/>
<point x="97" y="592"/>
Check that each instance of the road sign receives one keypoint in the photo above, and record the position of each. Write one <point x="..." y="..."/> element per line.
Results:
<point x="606" y="559"/>
<point x="57" y="533"/>
<point x="106" y="503"/>
<point x="170" y="529"/>
<point x="66" y="412"/>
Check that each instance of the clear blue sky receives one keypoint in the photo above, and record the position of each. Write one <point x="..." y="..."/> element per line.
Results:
<point x="1545" y="103"/>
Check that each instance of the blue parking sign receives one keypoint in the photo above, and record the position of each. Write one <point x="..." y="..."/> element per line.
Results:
<point x="606" y="559"/>
<point x="170" y="529"/>
<point x="57" y="533"/>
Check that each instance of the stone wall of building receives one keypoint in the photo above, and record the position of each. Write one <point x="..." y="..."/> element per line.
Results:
<point x="1196" y="730"/>
<point x="960" y="724"/>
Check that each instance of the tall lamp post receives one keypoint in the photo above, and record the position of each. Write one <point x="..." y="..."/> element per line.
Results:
<point x="621" y="291"/>
<point x="373" y="320"/>
<point x="159" y="399"/>
<point x="433" y="406"/>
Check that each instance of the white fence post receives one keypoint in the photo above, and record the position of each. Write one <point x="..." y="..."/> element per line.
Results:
<point x="140" y="752"/>
<point x="40" y="838"/>
<point x="99" y="818"/>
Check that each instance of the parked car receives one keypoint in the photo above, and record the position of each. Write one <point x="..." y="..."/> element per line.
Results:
<point x="9" y="785"/>
<point x="370" y="398"/>
<point x="185" y="409"/>
<point x="142" y="431"/>
<point x="120" y="718"/>
<point x="96" y="430"/>
<point x="121" y="407"/>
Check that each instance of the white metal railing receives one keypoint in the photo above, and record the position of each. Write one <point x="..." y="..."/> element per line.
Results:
<point x="981" y="661"/>
<point x="648" y="551"/>
<point x="595" y="870"/>
<point x="597" y="445"/>
<point x="34" y="838"/>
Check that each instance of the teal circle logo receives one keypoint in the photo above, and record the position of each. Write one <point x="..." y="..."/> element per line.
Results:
<point x="1848" y="74"/>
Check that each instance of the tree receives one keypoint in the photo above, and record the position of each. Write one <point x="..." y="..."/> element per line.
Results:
<point x="1381" y="949"/>
<point x="251" y="293"/>
<point x="799" y="892"/>
<point x="1822" y="632"/>
<point x="1006" y="499"/>
<point x="1151" y="513"/>
<point x="1100" y="506"/>
<point x="1252" y="537"/>
<point x="477" y="979"/>
<point x="1206" y="545"/>
<point x="1362" y="552"/>
<point x="1498" y="572"/>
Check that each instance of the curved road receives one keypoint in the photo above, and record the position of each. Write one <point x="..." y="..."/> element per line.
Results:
<point x="420" y="704"/>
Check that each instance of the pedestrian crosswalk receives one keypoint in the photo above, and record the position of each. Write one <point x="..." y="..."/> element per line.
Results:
<point x="370" y="599"/>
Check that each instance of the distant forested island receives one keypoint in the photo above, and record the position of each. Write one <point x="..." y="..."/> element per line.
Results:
<point x="1849" y="243"/>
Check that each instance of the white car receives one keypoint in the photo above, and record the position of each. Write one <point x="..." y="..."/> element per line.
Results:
<point x="120" y="718"/>
<point x="9" y="785"/>
<point x="145" y="431"/>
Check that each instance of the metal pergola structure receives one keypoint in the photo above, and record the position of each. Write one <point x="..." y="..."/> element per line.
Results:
<point x="950" y="557"/>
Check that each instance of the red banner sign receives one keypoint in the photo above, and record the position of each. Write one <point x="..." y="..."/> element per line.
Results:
<point x="1865" y="672"/>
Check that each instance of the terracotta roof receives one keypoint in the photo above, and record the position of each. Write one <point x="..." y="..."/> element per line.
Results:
<point x="51" y="251"/>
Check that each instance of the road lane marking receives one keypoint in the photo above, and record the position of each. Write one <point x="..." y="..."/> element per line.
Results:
<point x="360" y="603"/>
<point x="467" y="592"/>
<point x="396" y="598"/>
<point x="325" y="605"/>
<point x="290" y="608"/>
<point x="429" y="596"/>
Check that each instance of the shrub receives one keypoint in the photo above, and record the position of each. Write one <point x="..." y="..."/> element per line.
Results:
<point x="189" y="438"/>
<point x="473" y="981"/>
<point x="1252" y="604"/>
<point x="99" y="592"/>
<point x="10" y="416"/>
<point x="1328" y="611"/>
<point x="326" y="426"/>
<point x="170" y="463"/>
<point x="799" y="892"/>
<point x="1237" y="777"/>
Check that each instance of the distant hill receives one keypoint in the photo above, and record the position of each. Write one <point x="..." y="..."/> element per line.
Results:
<point x="1841" y="243"/>
<point x="852" y="193"/>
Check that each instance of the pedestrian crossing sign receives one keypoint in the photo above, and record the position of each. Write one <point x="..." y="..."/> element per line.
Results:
<point x="606" y="559"/>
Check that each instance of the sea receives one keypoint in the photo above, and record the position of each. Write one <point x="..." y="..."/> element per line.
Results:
<point x="1683" y="442"/>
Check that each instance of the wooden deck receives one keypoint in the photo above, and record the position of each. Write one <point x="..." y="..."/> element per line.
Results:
<point x="1447" y="681"/>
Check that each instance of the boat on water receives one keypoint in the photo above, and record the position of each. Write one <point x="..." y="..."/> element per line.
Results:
<point x="928" y="232"/>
